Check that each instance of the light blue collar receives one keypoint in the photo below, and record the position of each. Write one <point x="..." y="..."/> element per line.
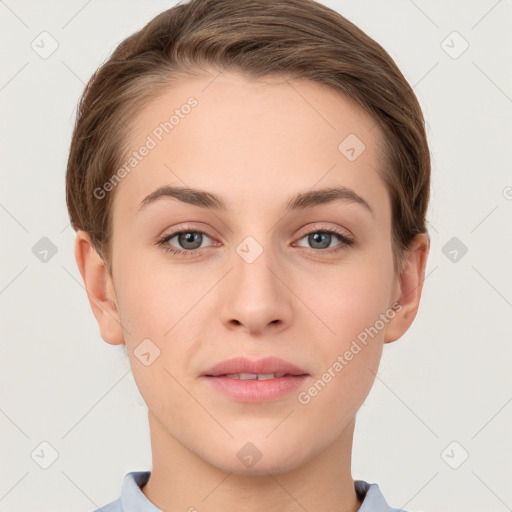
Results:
<point x="133" y="499"/>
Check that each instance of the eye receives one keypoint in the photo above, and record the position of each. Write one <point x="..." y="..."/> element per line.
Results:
<point x="322" y="239"/>
<point x="189" y="241"/>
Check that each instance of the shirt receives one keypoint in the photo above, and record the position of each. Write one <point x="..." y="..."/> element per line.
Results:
<point x="132" y="499"/>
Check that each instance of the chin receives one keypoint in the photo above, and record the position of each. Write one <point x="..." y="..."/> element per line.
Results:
<point x="250" y="461"/>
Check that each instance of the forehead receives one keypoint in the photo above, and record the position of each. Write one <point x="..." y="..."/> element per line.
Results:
<point x="253" y="142"/>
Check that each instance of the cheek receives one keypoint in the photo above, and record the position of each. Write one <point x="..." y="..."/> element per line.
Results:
<point x="162" y="304"/>
<point x="350" y="304"/>
<point x="349" y="355"/>
<point x="349" y="300"/>
<point x="151" y="298"/>
<point x="155" y="305"/>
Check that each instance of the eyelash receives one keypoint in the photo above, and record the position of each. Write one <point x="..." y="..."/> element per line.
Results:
<point x="342" y="237"/>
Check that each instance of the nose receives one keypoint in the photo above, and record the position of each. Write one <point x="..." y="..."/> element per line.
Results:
<point x="256" y="296"/>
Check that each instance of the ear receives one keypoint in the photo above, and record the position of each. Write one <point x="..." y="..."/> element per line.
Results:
<point x="100" y="289"/>
<point x="408" y="288"/>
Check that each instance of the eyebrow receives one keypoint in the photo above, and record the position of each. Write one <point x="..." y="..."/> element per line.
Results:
<point x="299" y="201"/>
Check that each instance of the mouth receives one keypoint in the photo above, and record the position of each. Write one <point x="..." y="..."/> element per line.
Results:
<point x="258" y="381"/>
<point x="261" y="369"/>
<point x="254" y="376"/>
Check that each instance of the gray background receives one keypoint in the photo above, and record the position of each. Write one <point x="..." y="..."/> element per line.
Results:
<point x="442" y="392"/>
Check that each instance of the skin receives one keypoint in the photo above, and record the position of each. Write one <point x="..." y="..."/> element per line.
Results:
<point x="295" y="301"/>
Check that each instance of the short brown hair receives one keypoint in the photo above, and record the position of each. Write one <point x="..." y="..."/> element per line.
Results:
<point x="302" y="39"/>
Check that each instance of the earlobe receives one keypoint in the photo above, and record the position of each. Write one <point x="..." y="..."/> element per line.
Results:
<point x="100" y="290"/>
<point x="410" y="286"/>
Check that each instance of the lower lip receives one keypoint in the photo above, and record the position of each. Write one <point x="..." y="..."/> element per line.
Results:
<point x="257" y="391"/>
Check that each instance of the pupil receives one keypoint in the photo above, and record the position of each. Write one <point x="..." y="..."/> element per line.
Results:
<point x="189" y="238"/>
<point x="318" y="238"/>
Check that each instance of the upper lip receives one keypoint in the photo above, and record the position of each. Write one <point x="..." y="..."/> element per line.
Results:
<point x="260" y="366"/>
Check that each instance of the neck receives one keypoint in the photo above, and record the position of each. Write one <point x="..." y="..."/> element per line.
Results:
<point x="181" y="480"/>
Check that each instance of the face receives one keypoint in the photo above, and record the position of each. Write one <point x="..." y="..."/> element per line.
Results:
<point x="256" y="272"/>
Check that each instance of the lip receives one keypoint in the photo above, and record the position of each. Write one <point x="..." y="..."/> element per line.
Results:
<point x="255" y="391"/>
<point x="244" y="365"/>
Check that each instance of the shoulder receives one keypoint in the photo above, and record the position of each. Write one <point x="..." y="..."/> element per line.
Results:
<point x="372" y="498"/>
<point x="113" y="506"/>
<point x="132" y="497"/>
